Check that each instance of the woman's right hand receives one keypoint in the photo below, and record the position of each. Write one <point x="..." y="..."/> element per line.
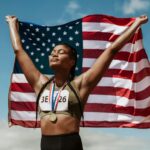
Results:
<point x="14" y="28"/>
<point x="12" y="21"/>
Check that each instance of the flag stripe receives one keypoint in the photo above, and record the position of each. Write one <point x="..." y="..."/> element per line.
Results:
<point x="88" y="116"/>
<point x="119" y="83"/>
<point x="122" y="65"/>
<point x="96" y="44"/>
<point x="21" y="87"/>
<point x="93" y="98"/>
<point x="27" y="124"/>
<point x="105" y="36"/>
<point x="102" y="116"/>
<point x="30" y="97"/>
<point x="97" y="107"/>
<point x="22" y="97"/>
<point x="136" y="77"/>
<point x="108" y="19"/>
<point x="122" y="92"/>
<point x="23" y="106"/>
<point x="118" y="73"/>
<point x="119" y="100"/>
<point x="125" y="56"/>
<point x="116" y="109"/>
<point x="113" y="124"/>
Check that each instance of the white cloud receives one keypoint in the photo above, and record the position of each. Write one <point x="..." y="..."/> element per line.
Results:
<point x="72" y="11"/>
<point x="132" y="6"/>
<point x="72" y="7"/>
<point x="18" y="138"/>
<point x="97" y="139"/>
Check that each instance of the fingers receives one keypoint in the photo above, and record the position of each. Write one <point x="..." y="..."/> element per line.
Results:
<point x="12" y="20"/>
<point x="9" y="18"/>
<point x="142" y="19"/>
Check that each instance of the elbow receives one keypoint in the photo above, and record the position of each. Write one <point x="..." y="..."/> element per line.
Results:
<point x="114" y="49"/>
<point x="17" y="46"/>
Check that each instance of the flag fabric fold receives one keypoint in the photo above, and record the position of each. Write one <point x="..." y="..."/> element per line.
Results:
<point x="120" y="99"/>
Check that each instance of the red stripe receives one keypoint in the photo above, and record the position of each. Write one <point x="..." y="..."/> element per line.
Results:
<point x="111" y="90"/>
<point x="111" y="124"/>
<point x="125" y="74"/>
<point x="21" y="87"/>
<point x="125" y="56"/>
<point x="106" y="36"/>
<point x="106" y="124"/>
<point x="27" y="124"/>
<point x="122" y="92"/>
<point x="23" y="106"/>
<point x="89" y="107"/>
<point x="111" y="108"/>
<point x="109" y="19"/>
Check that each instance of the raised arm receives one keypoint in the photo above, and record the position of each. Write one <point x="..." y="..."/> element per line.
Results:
<point x="88" y="80"/>
<point x="33" y="75"/>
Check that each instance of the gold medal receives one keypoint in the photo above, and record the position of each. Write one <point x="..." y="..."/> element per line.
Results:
<point x="53" y="117"/>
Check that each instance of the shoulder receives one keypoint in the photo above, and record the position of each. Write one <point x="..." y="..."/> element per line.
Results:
<point x="43" y="79"/>
<point x="77" y="82"/>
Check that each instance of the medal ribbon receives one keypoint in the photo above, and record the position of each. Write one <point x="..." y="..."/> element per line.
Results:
<point x="56" y="99"/>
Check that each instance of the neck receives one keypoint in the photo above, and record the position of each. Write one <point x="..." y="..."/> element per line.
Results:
<point x="61" y="77"/>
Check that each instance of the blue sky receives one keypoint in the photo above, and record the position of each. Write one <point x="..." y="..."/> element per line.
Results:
<point x="53" y="12"/>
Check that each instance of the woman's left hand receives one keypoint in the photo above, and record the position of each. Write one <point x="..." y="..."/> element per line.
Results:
<point x="142" y="19"/>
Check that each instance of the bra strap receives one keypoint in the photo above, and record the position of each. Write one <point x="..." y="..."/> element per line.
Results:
<point x="79" y="102"/>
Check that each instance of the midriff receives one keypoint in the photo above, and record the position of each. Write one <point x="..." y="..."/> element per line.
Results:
<point x="65" y="124"/>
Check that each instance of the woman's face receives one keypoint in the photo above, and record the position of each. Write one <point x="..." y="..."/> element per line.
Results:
<point x="61" y="57"/>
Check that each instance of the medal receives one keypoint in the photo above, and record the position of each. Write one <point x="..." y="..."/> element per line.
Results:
<point x="53" y="117"/>
<point x="54" y="101"/>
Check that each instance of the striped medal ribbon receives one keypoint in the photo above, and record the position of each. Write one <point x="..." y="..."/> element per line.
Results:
<point x="54" y="100"/>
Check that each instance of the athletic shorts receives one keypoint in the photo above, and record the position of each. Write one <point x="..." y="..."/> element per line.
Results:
<point x="61" y="142"/>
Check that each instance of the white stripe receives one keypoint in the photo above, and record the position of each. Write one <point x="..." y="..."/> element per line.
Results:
<point x="122" y="65"/>
<point x="103" y="27"/>
<point x="97" y="44"/>
<point x="117" y="100"/>
<point x="88" y="116"/>
<point x="22" y="97"/>
<point x="129" y="47"/>
<point x="125" y="83"/>
<point x="96" y="116"/>
<point x="93" y="98"/>
<point x="23" y="115"/>
<point x="20" y="78"/>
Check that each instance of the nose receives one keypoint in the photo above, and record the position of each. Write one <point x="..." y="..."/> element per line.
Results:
<point x="54" y="54"/>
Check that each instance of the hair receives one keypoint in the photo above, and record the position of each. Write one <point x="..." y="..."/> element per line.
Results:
<point x="73" y="55"/>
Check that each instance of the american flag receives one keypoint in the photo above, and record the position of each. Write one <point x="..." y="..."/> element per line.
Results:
<point x="120" y="99"/>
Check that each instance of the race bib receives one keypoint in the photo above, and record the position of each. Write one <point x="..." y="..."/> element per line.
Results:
<point x="45" y="102"/>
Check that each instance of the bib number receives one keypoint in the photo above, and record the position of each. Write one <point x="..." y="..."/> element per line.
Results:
<point x="46" y="104"/>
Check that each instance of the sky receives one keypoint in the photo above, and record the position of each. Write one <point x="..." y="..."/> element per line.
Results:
<point x="54" y="12"/>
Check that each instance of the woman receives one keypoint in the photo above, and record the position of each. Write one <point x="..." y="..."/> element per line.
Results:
<point x="60" y="107"/>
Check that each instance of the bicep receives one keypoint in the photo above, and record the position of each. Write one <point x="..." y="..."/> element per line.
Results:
<point x="32" y="74"/>
<point x="92" y="76"/>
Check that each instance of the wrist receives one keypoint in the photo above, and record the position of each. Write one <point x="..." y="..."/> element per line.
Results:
<point x="138" y="21"/>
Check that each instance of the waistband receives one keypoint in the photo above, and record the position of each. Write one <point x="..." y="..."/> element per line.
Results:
<point x="62" y="135"/>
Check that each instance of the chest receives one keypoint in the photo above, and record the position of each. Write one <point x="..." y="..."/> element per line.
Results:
<point x="58" y="100"/>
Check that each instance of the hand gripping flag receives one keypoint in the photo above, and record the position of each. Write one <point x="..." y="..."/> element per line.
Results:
<point x="120" y="99"/>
